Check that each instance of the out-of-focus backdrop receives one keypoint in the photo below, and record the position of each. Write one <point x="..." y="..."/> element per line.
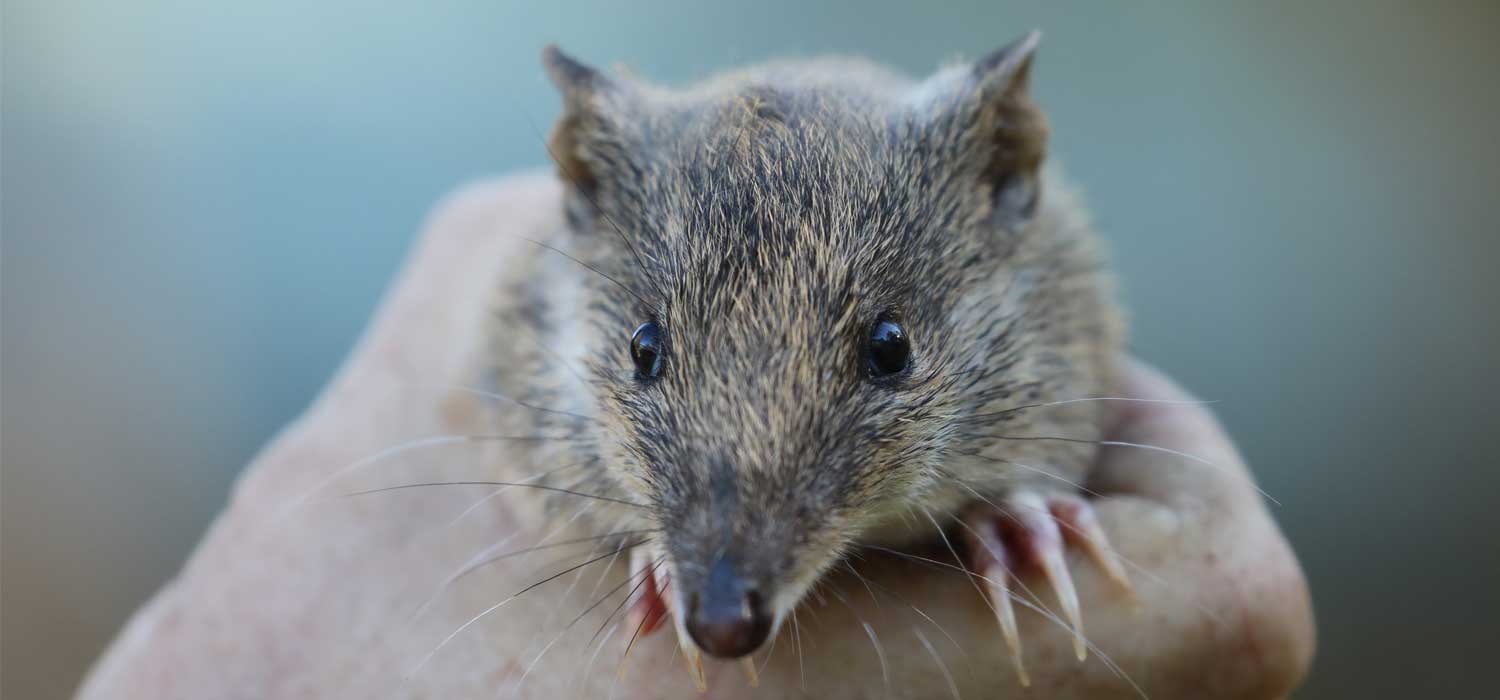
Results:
<point x="202" y="203"/>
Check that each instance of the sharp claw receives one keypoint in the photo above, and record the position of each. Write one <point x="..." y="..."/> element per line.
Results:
<point x="1067" y="597"/>
<point x="989" y="556"/>
<point x="1046" y="543"/>
<point x="694" y="663"/>
<point x="995" y="586"/>
<point x="748" y="664"/>
<point x="1082" y="525"/>
<point x="690" y="651"/>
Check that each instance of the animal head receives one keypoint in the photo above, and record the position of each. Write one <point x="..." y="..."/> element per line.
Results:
<point x="805" y="273"/>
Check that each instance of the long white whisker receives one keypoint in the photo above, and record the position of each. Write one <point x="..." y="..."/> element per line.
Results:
<point x="863" y="580"/>
<point x="1103" y="657"/>
<point x="451" y="636"/>
<point x="1155" y="448"/>
<point x="496" y="493"/>
<point x="1027" y="467"/>
<point x="1172" y="402"/>
<point x="942" y="667"/>
<point x="922" y="614"/>
<point x="594" y="657"/>
<point x="797" y="637"/>
<point x="1193" y="457"/>
<point x="482" y="393"/>
<point x="885" y="674"/>
<point x="1216" y="617"/>
<point x="419" y="443"/>
<point x="372" y="459"/>
<point x="1064" y="402"/>
<point x="1041" y="610"/>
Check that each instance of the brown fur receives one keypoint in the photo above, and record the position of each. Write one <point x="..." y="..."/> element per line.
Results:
<point x="764" y="219"/>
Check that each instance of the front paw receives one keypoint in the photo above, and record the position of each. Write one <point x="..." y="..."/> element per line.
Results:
<point x="1027" y="530"/>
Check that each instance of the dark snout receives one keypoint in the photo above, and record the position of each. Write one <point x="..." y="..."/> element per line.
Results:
<point x="728" y="616"/>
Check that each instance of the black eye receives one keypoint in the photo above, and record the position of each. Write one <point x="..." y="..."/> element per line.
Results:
<point x="889" y="348"/>
<point x="645" y="349"/>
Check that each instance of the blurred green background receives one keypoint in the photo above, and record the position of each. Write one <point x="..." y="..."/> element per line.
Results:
<point x="202" y="202"/>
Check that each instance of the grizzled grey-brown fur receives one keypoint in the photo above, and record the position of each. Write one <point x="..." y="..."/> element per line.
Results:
<point x="764" y="220"/>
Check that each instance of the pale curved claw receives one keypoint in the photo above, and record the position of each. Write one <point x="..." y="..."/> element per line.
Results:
<point x="748" y="663"/>
<point x="1028" y="529"/>
<point x="690" y="652"/>
<point x="694" y="663"/>
<point x="988" y="557"/>
<point x="1043" y="542"/>
<point x="1081" y="526"/>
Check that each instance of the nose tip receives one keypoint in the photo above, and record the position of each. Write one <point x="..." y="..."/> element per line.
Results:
<point x="729" y="628"/>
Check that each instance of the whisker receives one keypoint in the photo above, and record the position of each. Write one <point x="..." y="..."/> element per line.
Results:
<point x="914" y="557"/>
<point x="592" y="269"/>
<point x="496" y="493"/>
<point x="485" y="562"/>
<point x="885" y="674"/>
<point x="1114" y="668"/>
<point x="1103" y="657"/>
<point x="569" y="627"/>
<point x="438" y="592"/>
<point x="546" y="539"/>
<point x="451" y="636"/>
<point x="903" y="600"/>
<point x="874" y="640"/>
<point x="863" y="580"/>
<point x="484" y="558"/>
<point x="1143" y="446"/>
<point x="482" y="393"/>
<point x="518" y="484"/>
<point x="959" y="560"/>
<point x="942" y="667"/>
<point x="611" y="592"/>
<point x="1158" y="580"/>
<point x="628" y="646"/>
<point x="1064" y="402"/>
<point x="975" y="577"/>
<point x="769" y="652"/>
<point x="1027" y="467"/>
<point x="588" y="669"/>
<point x="1001" y="560"/>
<point x="419" y="443"/>
<point x="1216" y="617"/>
<point x="604" y="573"/>
<point x="645" y="576"/>
<point x="797" y="639"/>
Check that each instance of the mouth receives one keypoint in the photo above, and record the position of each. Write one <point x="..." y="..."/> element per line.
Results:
<point x="654" y="600"/>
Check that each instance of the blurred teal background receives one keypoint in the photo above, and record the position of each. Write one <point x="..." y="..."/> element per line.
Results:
<point x="202" y="203"/>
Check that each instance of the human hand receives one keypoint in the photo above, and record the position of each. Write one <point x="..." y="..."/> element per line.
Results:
<point x="295" y="597"/>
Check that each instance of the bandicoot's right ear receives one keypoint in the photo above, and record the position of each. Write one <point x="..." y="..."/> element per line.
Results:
<point x="987" y="107"/>
<point x="582" y="128"/>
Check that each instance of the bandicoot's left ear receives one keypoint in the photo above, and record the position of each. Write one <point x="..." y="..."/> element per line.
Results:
<point x="584" y="123"/>
<point x="990" y="108"/>
<point x="1016" y="126"/>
